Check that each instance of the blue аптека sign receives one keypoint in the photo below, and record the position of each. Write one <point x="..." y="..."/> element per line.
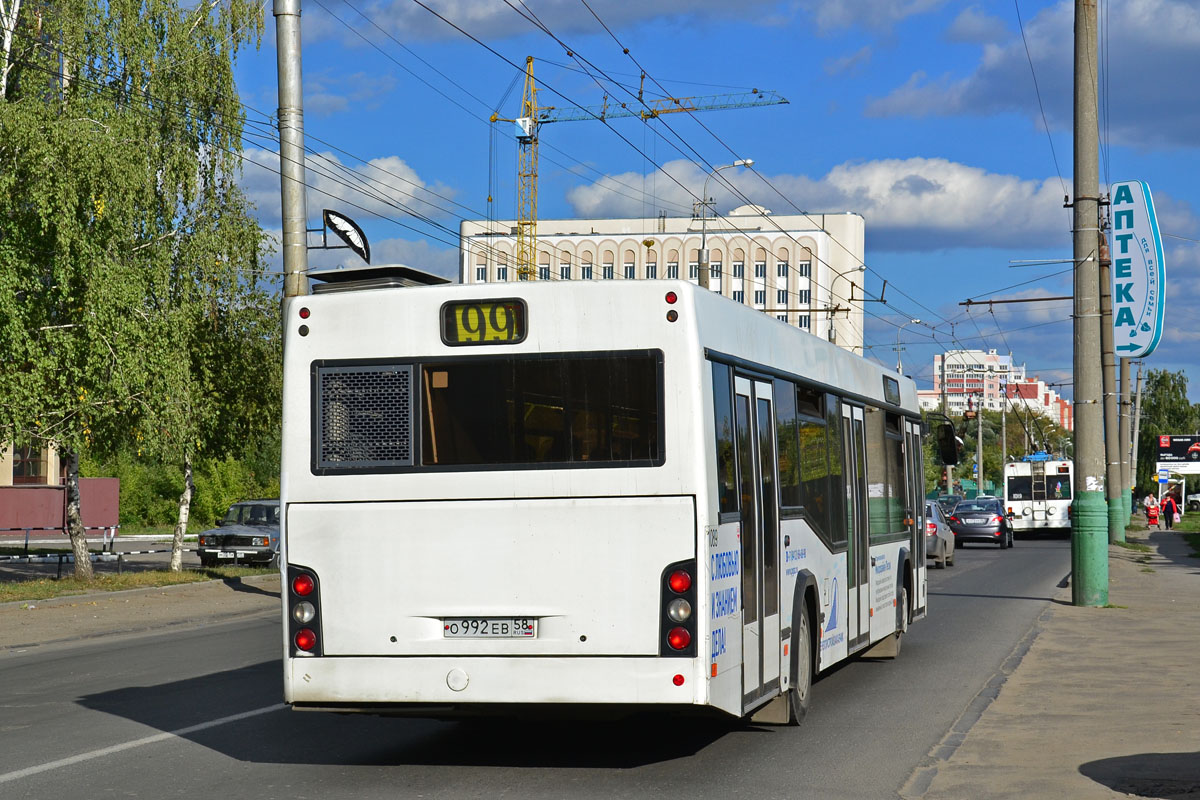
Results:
<point x="1138" y="271"/>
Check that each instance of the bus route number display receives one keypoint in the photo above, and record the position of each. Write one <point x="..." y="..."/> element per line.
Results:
<point x="483" y="322"/>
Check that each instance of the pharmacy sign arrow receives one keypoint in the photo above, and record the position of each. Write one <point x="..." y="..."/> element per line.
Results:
<point x="1138" y="271"/>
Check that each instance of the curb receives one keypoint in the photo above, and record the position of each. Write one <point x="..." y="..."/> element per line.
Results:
<point x="66" y="599"/>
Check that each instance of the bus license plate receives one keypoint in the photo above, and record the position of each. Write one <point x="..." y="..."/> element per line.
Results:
<point x="489" y="628"/>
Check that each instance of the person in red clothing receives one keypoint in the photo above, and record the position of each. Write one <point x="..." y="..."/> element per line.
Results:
<point x="1169" y="509"/>
<point x="1152" y="514"/>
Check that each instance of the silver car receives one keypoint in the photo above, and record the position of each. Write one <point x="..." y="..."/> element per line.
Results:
<point x="248" y="534"/>
<point x="939" y="539"/>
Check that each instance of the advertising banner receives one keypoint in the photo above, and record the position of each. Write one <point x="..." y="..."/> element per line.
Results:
<point x="1178" y="449"/>
<point x="1138" y="271"/>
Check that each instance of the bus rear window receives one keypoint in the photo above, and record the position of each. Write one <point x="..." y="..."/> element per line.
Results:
<point x="576" y="409"/>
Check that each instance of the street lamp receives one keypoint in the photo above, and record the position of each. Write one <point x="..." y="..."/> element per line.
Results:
<point x="702" y="258"/>
<point x="898" y="347"/>
<point x="833" y="304"/>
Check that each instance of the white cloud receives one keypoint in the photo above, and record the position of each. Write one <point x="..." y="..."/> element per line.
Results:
<point x="384" y="187"/>
<point x="1149" y="42"/>
<point x="492" y="19"/>
<point x="873" y="14"/>
<point x="916" y="204"/>
<point x="974" y="25"/>
<point x="421" y="254"/>
<point x="327" y="93"/>
<point x="849" y="64"/>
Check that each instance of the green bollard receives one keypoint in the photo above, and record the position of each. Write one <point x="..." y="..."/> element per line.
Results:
<point x="1089" y="550"/>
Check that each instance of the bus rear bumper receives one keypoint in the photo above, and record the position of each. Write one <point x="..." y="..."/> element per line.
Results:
<point x="367" y="684"/>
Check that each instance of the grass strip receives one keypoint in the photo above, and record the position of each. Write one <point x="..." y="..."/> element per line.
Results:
<point x="48" y="588"/>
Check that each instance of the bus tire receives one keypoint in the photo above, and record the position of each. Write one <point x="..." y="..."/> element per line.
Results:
<point x="800" y="692"/>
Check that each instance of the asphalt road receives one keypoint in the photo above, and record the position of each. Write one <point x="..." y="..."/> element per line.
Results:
<point x="197" y="713"/>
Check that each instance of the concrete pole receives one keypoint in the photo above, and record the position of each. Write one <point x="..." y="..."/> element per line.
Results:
<point x="946" y="411"/>
<point x="1123" y="434"/>
<point x="1112" y="437"/>
<point x="979" y="446"/>
<point x="1137" y="423"/>
<point x="1004" y="421"/>
<point x="291" y="148"/>
<point x="1089" y="518"/>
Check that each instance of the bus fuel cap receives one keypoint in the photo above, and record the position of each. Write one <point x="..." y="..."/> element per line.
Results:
<point x="457" y="679"/>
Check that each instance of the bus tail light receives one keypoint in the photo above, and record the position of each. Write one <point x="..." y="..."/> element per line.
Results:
<point x="679" y="638"/>
<point x="304" y="611"/>
<point x="305" y="640"/>
<point x="677" y="620"/>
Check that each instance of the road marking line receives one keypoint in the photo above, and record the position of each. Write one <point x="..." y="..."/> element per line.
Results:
<point x="117" y="748"/>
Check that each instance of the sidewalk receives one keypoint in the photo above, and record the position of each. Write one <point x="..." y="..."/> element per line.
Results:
<point x="41" y="623"/>
<point x="1105" y="703"/>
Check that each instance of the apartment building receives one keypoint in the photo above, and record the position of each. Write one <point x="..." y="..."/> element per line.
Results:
<point x="806" y="270"/>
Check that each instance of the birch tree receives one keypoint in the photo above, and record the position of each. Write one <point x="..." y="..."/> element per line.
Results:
<point x="120" y="220"/>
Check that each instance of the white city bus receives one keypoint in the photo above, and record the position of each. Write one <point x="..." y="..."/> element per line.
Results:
<point x="630" y="494"/>
<point x="1037" y="494"/>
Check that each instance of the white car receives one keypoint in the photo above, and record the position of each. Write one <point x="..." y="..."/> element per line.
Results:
<point x="939" y="539"/>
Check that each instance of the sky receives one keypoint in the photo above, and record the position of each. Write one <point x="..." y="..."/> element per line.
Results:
<point x="946" y="124"/>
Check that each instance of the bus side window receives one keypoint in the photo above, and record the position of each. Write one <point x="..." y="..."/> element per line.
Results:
<point x="722" y="379"/>
<point x="837" y="530"/>
<point x="787" y="446"/>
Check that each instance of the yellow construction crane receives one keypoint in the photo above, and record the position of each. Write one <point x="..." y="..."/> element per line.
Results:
<point x="534" y="116"/>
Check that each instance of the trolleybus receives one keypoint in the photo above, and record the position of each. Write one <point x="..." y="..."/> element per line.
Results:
<point x="629" y="494"/>
<point x="1037" y="494"/>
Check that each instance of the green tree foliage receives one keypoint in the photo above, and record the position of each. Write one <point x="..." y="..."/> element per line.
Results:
<point x="1165" y="411"/>
<point x="122" y="231"/>
<point x="1020" y="427"/>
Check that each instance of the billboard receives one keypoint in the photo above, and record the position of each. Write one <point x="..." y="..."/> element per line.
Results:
<point x="1138" y="271"/>
<point x="1178" y="449"/>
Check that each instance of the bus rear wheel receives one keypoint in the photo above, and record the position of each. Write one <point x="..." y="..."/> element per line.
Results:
<point x="800" y="693"/>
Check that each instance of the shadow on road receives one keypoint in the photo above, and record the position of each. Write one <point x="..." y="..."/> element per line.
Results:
<point x="294" y="737"/>
<point x="238" y="585"/>
<point x="991" y="596"/>
<point x="1171" y="776"/>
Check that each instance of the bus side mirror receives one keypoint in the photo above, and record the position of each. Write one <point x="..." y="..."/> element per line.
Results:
<point x="947" y="443"/>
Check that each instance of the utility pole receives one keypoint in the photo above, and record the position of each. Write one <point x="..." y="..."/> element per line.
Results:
<point x="291" y="148"/>
<point x="1089" y="528"/>
<point x="979" y="446"/>
<point x="1123" y="434"/>
<point x="946" y="411"/>
<point x="1004" y="423"/>
<point x="1112" y="438"/>
<point x="1137" y="423"/>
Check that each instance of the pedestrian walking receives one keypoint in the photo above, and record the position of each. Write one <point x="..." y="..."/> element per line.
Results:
<point x="1170" y="510"/>
<point x="1152" y="514"/>
<point x="1146" y="503"/>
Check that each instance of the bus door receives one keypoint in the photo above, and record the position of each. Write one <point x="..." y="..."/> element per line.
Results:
<point x="1037" y="489"/>
<point x="858" y="550"/>
<point x="915" y="514"/>
<point x="755" y="420"/>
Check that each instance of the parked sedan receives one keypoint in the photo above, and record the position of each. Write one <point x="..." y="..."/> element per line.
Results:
<point x="249" y="533"/>
<point x="981" y="520"/>
<point x="939" y="539"/>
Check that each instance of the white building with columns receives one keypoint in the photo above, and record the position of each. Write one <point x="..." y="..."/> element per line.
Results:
<point x="803" y="269"/>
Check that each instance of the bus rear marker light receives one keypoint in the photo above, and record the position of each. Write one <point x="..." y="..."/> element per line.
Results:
<point x="677" y="680"/>
<point x="672" y="315"/>
<point x="303" y="585"/>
